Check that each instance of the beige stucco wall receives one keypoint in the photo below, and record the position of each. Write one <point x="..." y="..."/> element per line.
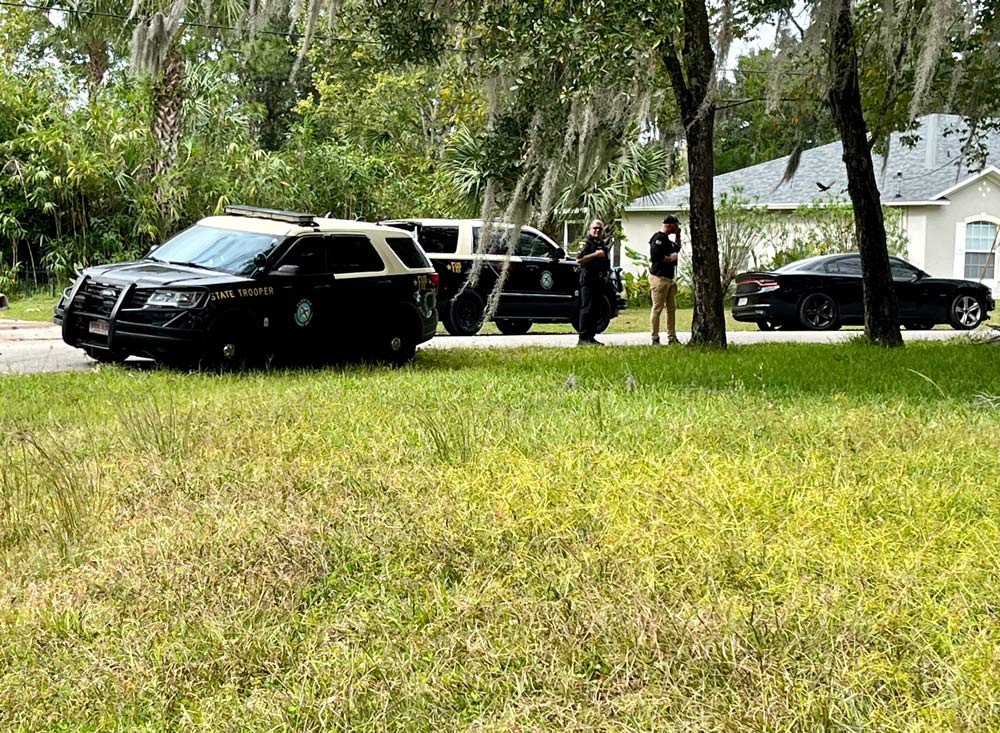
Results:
<point x="979" y="200"/>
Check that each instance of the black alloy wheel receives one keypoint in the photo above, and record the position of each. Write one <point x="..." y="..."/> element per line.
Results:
<point x="513" y="326"/>
<point x="818" y="312"/>
<point x="466" y="314"/>
<point x="965" y="312"/>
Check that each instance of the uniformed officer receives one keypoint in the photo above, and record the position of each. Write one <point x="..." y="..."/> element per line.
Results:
<point x="595" y="270"/>
<point x="663" y="249"/>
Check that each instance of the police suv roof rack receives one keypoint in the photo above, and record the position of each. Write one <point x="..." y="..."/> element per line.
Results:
<point x="255" y="212"/>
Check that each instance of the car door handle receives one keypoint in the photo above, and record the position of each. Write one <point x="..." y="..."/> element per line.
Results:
<point x="384" y="281"/>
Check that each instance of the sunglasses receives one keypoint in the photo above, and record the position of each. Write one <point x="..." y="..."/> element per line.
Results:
<point x="597" y="229"/>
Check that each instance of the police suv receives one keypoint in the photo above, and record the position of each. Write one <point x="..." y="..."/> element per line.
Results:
<point x="257" y="283"/>
<point x="542" y="284"/>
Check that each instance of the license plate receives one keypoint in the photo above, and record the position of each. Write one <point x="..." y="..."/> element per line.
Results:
<point x="741" y="301"/>
<point x="99" y="327"/>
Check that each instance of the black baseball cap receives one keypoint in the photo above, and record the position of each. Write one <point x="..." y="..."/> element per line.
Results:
<point x="671" y="219"/>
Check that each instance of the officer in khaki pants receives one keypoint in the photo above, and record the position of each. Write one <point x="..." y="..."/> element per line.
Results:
<point x="663" y="249"/>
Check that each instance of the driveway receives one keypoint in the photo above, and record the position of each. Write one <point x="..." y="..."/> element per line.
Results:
<point x="31" y="347"/>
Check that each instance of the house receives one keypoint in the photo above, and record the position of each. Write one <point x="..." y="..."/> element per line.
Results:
<point x="949" y="205"/>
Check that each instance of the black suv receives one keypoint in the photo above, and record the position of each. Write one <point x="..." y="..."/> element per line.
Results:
<point x="542" y="284"/>
<point x="257" y="283"/>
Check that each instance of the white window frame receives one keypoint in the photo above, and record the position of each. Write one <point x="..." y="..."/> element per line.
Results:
<point x="961" y="229"/>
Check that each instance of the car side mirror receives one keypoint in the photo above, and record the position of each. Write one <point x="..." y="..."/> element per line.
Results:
<point x="260" y="260"/>
<point x="288" y="270"/>
<point x="558" y="253"/>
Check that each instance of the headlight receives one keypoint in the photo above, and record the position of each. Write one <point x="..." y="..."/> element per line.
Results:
<point x="175" y="299"/>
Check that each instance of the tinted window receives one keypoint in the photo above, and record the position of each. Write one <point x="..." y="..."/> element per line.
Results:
<point x="808" y="264"/>
<point x="497" y="242"/>
<point x="407" y="251"/>
<point x="845" y="266"/>
<point x="353" y="253"/>
<point x="439" y="239"/>
<point x="530" y="245"/>
<point x="309" y="255"/>
<point x="901" y="270"/>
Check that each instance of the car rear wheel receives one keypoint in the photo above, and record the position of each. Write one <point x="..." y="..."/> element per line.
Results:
<point x="818" y="312"/>
<point x="464" y="314"/>
<point x="513" y="326"/>
<point x="398" y="343"/>
<point x="965" y="312"/>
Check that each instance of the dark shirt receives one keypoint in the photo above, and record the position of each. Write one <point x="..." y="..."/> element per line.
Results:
<point x="598" y="269"/>
<point x="659" y="249"/>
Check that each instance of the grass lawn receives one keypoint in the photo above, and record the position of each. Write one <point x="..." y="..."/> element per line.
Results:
<point x="33" y="308"/>
<point x="631" y="320"/>
<point x="778" y="537"/>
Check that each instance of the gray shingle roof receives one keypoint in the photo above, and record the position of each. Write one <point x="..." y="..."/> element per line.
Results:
<point x="918" y="173"/>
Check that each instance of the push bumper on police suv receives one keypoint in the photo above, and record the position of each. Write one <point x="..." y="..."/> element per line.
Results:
<point x="108" y="319"/>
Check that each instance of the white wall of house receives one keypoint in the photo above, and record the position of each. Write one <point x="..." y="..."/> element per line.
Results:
<point x="638" y="227"/>
<point x="944" y="241"/>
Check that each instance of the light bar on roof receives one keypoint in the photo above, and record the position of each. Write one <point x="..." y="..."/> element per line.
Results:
<point x="254" y="212"/>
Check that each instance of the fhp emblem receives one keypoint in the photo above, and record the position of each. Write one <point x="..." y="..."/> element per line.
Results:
<point x="303" y="313"/>
<point x="547" y="280"/>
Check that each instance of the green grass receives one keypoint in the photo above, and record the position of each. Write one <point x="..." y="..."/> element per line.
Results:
<point x="33" y="308"/>
<point x="780" y="537"/>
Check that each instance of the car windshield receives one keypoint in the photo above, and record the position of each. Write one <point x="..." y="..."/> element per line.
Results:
<point x="809" y="263"/>
<point x="226" y="250"/>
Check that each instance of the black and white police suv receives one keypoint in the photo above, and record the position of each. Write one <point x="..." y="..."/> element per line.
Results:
<point x="542" y="284"/>
<point x="256" y="283"/>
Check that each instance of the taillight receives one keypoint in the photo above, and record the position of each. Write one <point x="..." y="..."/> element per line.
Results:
<point x="435" y="279"/>
<point x="764" y="284"/>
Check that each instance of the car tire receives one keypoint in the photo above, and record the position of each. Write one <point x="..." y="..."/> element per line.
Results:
<point x="465" y="314"/>
<point x="103" y="356"/>
<point x="232" y="346"/>
<point x="398" y="343"/>
<point x="965" y="312"/>
<point x="513" y="326"/>
<point x="603" y="318"/>
<point x="818" y="312"/>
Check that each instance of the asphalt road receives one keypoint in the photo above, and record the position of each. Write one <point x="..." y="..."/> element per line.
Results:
<point x="31" y="347"/>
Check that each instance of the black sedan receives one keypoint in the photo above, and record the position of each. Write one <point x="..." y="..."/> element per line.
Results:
<point x="824" y="293"/>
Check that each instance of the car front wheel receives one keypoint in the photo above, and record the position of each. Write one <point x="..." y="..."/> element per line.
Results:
<point x="965" y="312"/>
<point x="465" y="314"/>
<point x="818" y="312"/>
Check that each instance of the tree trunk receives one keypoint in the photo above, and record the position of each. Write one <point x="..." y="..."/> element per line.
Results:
<point x="708" y="326"/>
<point x="168" y="101"/>
<point x="844" y="98"/>
<point x="691" y="73"/>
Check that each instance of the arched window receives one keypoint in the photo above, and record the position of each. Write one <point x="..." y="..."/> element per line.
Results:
<point x="980" y="255"/>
